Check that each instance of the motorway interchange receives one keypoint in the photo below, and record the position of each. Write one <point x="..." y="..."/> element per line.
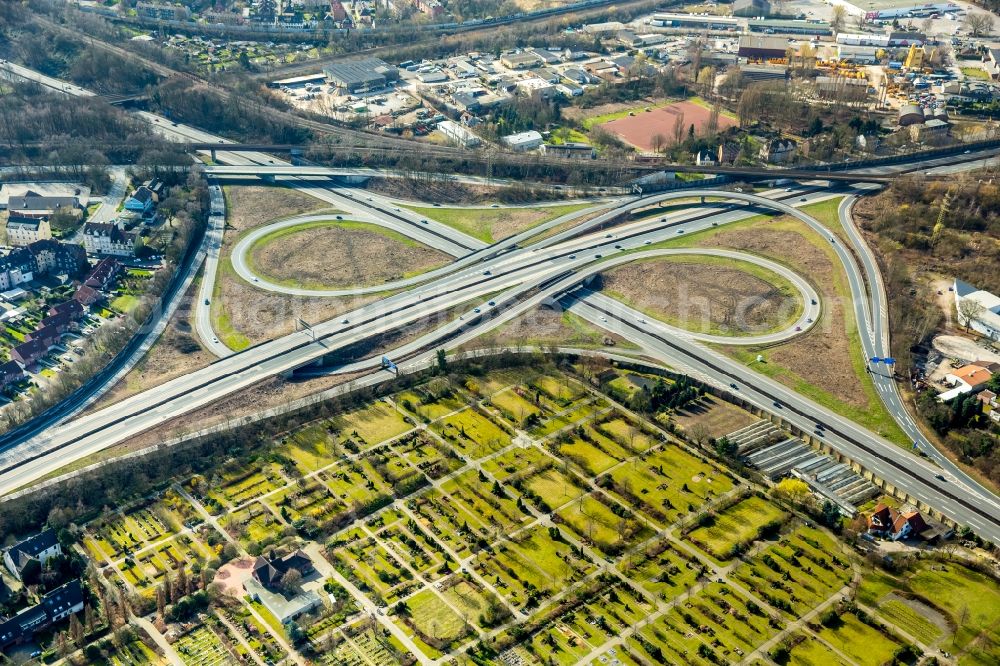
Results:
<point x="525" y="275"/>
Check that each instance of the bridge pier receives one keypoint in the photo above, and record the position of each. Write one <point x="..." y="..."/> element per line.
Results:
<point x="213" y="154"/>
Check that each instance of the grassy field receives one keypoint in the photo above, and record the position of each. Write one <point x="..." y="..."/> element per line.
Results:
<point x="492" y="224"/>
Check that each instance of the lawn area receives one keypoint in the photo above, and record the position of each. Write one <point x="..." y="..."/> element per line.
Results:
<point x="735" y="527"/>
<point x="864" y="644"/>
<point x="125" y="303"/>
<point x="492" y="224"/>
<point x="975" y="73"/>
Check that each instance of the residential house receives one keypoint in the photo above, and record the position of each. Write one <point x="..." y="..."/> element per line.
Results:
<point x="55" y="258"/>
<point x="110" y="239"/>
<point x="704" y="158"/>
<point x="988" y="398"/>
<point x="23" y="230"/>
<point x="86" y="295"/>
<point x="10" y="373"/>
<point x="729" y="152"/>
<point x="54" y="607"/>
<point x="16" y="267"/>
<point x="50" y="334"/>
<point x="778" y="151"/>
<point x="29" y="353"/>
<point x="158" y="188"/>
<point x="162" y="11"/>
<point x="31" y="204"/>
<point x="71" y="308"/>
<point x="888" y="522"/>
<point x="968" y="379"/>
<point x="61" y="322"/>
<point x="104" y="274"/>
<point x="141" y="201"/>
<point x="40" y="547"/>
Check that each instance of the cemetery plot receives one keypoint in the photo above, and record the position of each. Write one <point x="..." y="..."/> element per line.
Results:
<point x="313" y="447"/>
<point x="551" y="488"/>
<point x="571" y="415"/>
<point x="725" y="534"/>
<point x="254" y="526"/>
<point x="456" y="528"/>
<point x="421" y="402"/>
<point x="807" y="650"/>
<point x="589" y="450"/>
<point x="145" y="569"/>
<point x="663" y="569"/>
<point x="798" y="573"/>
<point x="427" y="454"/>
<point x="238" y="488"/>
<point x="435" y="627"/>
<point x="135" y="653"/>
<point x="306" y="499"/>
<point x="516" y="463"/>
<point x="520" y="407"/>
<point x="414" y="545"/>
<point x="560" y="390"/>
<point x="626" y="433"/>
<point x="357" y="485"/>
<point x="254" y="633"/>
<point x="576" y="632"/>
<point x="666" y="484"/>
<point x="472" y="602"/>
<point x="379" y="647"/>
<point x="492" y="505"/>
<point x="609" y="527"/>
<point x="532" y="565"/>
<point x="472" y="433"/>
<point x="118" y="535"/>
<point x="372" y="425"/>
<point x="716" y="625"/>
<point x="864" y="644"/>
<point x="201" y="647"/>
<point x="359" y="558"/>
<point x="398" y="473"/>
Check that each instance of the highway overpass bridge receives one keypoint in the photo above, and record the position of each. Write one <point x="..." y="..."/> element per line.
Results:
<point x="740" y="173"/>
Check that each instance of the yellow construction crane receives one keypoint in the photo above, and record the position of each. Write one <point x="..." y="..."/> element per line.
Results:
<point x="914" y="58"/>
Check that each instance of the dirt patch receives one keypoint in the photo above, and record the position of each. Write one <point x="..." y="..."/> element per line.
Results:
<point x="656" y="128"/>
<point x="716" y="416"/>
<point x="333" y="256"/>
<point x="702" y="297"/>
<point x="822" y="357"/>
<point x="254" y="205"/>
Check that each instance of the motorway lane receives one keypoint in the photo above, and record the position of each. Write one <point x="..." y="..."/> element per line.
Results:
<point x="877" y="346"/>
<point x="917" y="476"/>
<point x="206" y="290"/>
